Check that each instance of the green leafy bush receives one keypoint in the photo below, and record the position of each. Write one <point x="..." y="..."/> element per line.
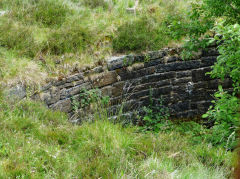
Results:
<point x="225" y="109"/>
<point x="228" y="63"/>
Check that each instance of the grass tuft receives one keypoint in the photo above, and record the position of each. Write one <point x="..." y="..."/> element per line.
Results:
<point x="39" y="143"/>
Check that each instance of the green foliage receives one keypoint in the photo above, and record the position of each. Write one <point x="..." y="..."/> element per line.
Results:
<point x="228" y="63"/>
<point x="225" y="109"/>
<point x="218" y="8"/>
<point x="155" y="115"/>
<point x="93" y="96"/>
<point x="70" y="38"/>
<point x="17" y="37"/>
<point x="225" y="114"/>
<point x="39" y="143"/>
<point x="148" y="33"/>
<point x="47" y="12"/>
<point x="136" y="36"/>
<point x="96" y="3"/>
<point x="72" y="34"/>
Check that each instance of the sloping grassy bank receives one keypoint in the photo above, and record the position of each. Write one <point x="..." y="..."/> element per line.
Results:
<point x="56" y="36"/>
<point x="38" y="143"/>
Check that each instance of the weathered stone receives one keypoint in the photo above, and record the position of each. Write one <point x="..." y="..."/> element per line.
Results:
<point x="137" y="66"/>
<point x="183" y="74"/>
<point x="72" y="78"/>
<point x="55" y="95"/>
<point x="156" y="54"/>
<point x="18" y="92"/>
<point x="77" y="89"/>
<point x="46" y="87"/>
<point x="63" y="93"/>
<point x="181" y="81"/>
<point x="180" y="106"/>
<point x="60" y="82"/>
<point x="171" y="59"/>
<point x="119" y="62"/>
<point x="153" y="62"/>
<point x="213" y="84"/>
<point x="178" y="66"/>
<point x="162" y="91"/>
<point x="63" y="105"/>
<point x="208" y="61"/>
<point x="210" y="52"/>
<point x="107" y="91"/>
<point x="200" y="74"/>
<point x="45" y="97"/>
<point x="201" y="84"/>
<point x="158" y="76"/>
<point x="98" y="69"/>
<point x="183" y="85"/>
<point x="104" y="79"/>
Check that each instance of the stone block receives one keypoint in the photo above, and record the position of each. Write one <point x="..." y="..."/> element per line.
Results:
<point x="162" y="91"/>
<point x="119" y="62"/>
<point x="63" y="105"/>
<point x="153" y="62"/>
<point x="181" y="81"/>
<point x="128" y="75"/>
<point x="77" y="89"/>
<point x="183" y="74"/>
<point x="208" y="61"/>
<point x="55" y="95"/>
<point x="163" y="83"/>
<point x="45" y="97"/>
<point x="107" y="91"/>
<point x="158" y="77"/>
<point x="156" y="54"/>
<point x="172" y="59"/>
<point x="200" y="74"/>
<point x="18" y="92"/>
<point x="210" y="52"/>
<point x="178" y="66"/>
<point x="104" y="79"/>
<point x="180" y="106"/>
<point x="213" y="84"/>
<point x="73" y="78"/>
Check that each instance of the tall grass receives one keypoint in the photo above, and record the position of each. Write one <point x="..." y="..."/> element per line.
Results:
<point x="39" y="143"/>
<point x="87" y="30"/>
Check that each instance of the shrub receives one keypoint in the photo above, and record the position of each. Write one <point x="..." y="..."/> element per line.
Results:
<point x="71" y="38"/>
<point x="139" y="35"/>
<point x="47" y="12"/>
<point x="95" y="3"/>
<point x="14" y="36"/>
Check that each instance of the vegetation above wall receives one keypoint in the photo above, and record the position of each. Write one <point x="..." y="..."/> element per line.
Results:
<point x="57" y="35"/>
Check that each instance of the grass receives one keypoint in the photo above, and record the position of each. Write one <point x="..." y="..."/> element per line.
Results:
<point x="80" y="32"/>
<point x="38" y="143"/>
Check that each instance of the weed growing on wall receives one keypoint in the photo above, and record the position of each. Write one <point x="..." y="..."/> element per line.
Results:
<point x="156" y="115"/>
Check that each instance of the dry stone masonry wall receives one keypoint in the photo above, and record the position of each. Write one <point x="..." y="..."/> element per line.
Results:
<point x="183" y="85"/>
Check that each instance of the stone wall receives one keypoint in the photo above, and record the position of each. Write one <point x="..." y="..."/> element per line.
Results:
<point x="183" y="85"/>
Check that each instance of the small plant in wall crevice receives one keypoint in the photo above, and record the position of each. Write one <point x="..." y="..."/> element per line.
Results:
<point x="155" y="115"/>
